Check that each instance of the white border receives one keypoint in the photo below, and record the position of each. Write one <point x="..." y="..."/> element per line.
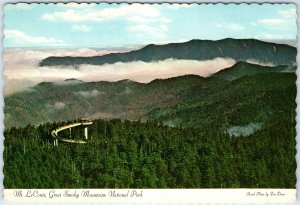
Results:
<point x="165" y="196"/>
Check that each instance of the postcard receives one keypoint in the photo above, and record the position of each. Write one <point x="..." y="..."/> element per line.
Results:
<point x="150" y="103"/>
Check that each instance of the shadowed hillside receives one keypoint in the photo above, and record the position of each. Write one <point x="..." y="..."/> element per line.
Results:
<point x="185" y="101"/>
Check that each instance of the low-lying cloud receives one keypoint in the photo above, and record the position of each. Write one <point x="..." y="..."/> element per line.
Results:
<point x="88" y="94"/>
<point x="56" y="106"/>
<point x="59" y="105"/>
<point x="145" y="72"/>
<point x="256" y="62"/>
<point x="101" y="115"/>
<point x="244" y="130"/>
<point x="21" y="68"/>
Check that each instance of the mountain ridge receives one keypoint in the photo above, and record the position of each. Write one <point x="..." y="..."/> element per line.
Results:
<point x="241" y="69"/>
<point x="184" y="101"/>
<point x="237" y="49"/>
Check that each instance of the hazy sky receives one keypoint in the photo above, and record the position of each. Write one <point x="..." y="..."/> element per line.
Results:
<point x="120" y="25"/>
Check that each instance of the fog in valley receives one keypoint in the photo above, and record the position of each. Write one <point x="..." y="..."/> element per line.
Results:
<point x="21" y="69"/>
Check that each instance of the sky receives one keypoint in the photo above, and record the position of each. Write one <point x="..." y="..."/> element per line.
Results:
<point x="34" y="32"/>
<point x="123" y="26"/>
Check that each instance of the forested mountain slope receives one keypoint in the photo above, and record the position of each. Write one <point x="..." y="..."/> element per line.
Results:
<point x="186" y="101"/>
<point x="148" y="155"/>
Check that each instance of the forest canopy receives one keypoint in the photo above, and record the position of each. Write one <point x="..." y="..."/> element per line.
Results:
<point x="126" y="154"/>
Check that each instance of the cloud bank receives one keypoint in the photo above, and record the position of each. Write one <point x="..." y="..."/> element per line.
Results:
<point x="134" y="12"/>
<point x="21" y="68"/>
<point x="22" y="38"/>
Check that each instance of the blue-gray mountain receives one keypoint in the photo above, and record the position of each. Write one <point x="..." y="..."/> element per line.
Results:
<point x="237" y="49"/>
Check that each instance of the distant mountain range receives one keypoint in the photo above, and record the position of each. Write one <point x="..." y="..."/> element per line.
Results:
<point x="242" y="94"/>
<point x="237" y="49"/>
<point x="241" y="69"/>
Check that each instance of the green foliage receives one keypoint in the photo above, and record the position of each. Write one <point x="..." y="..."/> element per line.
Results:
<point x="125" y="154"/>
<point x="241" y="69"/>
<point x="180" y="142"/>
<point x="185" y="101"/>
<point x="218" y="104"/>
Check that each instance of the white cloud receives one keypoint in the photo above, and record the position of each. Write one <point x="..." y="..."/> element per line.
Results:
<point x="254" y="61"/>
<point x="77" y="5"/>
<point x="145" y="32"/>
<point x="12" y="85"/>
<point x="81" y="28"/>
<point x="89" y="94"/>
<point x="21" y="69"/>
<point x="289" y="13"/>
<point x="230" y="26"/>
<point x="59" y="105"/>
<point x="133" y="12"/>
<point x="286" y="18"/>
<point x="145" y="20"/>
<point x="180" y="6"/>
<point x="145" y="72"/>
<point x="163" y="27"/>
<point x="141" y="19"/>
<point x="69" y="15"/>
<point x="20" y="6"/>
<point x="22" y="38"/>
<point x="244" y="130"/>
<point x="265" y="35"/>
<point x="271" y="21"/>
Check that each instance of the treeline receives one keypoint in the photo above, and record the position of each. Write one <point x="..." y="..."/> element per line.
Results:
<point x="125" y="154"/>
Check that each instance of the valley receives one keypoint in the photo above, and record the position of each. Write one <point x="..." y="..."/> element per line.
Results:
<point x="233" y="128"/>
<point x="185" y="101"/>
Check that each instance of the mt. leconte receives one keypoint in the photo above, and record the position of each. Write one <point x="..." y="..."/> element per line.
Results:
<point x="237" y="49"/>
